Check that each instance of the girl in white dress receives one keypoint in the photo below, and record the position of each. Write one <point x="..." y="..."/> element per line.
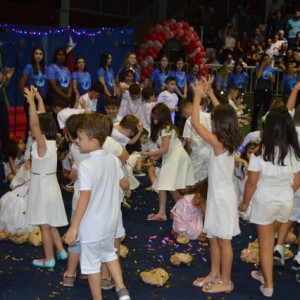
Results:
<point x="221" y="217"/>
<point x="273" y="177"/>
<point x="45" y="203"/>
<point x="176" y="171"/>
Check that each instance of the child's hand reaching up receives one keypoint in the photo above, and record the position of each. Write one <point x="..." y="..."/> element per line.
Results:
<point x="30" y="94"/>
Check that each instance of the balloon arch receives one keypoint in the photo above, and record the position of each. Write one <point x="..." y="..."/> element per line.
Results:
<point x="158" y="36"/>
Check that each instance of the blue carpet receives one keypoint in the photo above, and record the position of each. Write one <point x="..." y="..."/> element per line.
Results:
<point x="150" y="246"/>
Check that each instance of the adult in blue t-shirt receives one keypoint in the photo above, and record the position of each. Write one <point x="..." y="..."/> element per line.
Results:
<point x="34" y="74"/>
<point x="238" y="77"/>
<point x="130" y="62"/>
<point x="265" y="75"/>
<point x="59" y="78"/>
<point x="81" y="79"/>
<point x="106" y="76"/>
<point x="160" y="74"/>
<point x="288" y="81"/>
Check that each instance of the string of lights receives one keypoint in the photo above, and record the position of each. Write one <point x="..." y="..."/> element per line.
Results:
<point x="77" y="32"/>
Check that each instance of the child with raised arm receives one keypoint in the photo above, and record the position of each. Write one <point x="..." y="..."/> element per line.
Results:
<point x="175" y="160"/>
<point x="89" y="99"/>
<point x="96" y="216"/>
<point x="45" y="204"/>
<point x="197" y="148"/>
<point x="273" y="177"/>
<point x="221" y="217"/>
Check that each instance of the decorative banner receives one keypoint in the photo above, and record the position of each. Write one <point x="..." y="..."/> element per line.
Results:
<point x="160" y="34"/>
<point x="69" y="50"/>
<point x="21" y="40"/>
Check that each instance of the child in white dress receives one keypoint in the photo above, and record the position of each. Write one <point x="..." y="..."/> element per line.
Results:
<point x="45" y="203"/>
<point x="198" y="148"/>
<point x="221" y="217"/>
<point x="176" y="171"/>
<point x="295" y="214"/>
<point x="273" y="177"/>
<point x="126" y="79"/>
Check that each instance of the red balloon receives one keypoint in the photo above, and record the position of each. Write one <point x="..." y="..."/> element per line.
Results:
<point x="203" y="72"/>
<point x="142" y="52"/>
<point x="164" y="23"/>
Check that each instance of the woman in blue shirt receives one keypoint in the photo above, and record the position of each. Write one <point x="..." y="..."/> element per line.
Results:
<point x="34" y="74"/>
<point x="81" y="79"/>
<point x="106" y="74"/>
<point x="180" y="76"/>
<point x="59" y="78"/>
<point x="238" y="77"/>
<point x="265" y="75"/>
<point x="289" y="80"/>
<point x="193" y="76"/>
<point x="130" y="62"/>
<point x="159" y="75"/>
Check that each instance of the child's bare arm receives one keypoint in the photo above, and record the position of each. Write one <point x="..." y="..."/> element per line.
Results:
<point x="140" y="128"/>
<point x="124" y="184"/>
<point x="138" y="166"/>
<point x="188" y="145"/>
<point x="293" y="97"/>
<point x="250" y="188"/>
<point x="41" y="105"/>
<point x="34" y="122"/>
<point x="12" y="165"/>
<point x="80" y="211"/>
<point x="199" y="93"/>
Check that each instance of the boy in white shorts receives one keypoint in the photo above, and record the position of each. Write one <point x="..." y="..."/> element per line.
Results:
<point x="96" y="217"/>
<point x="75" y="158"/>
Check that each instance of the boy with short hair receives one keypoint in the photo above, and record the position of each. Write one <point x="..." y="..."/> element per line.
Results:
<point x="60" y="108"/>
<point x="89" y="100"/>
<point x="149" y="102"/>
<point x="134" y="100"/>
<point x="111" y="107"/>
<point x="96" y="215"/>
<point x="169" y="97"/>
<point x="128" y="131"/>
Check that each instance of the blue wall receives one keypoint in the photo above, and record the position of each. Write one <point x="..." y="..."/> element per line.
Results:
<point x="18" y="42"/>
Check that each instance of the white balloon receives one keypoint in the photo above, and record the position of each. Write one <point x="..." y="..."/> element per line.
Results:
<point x="143" y="46"/>
<point x="150" y="43"/>
<point x="158" y="27"/>
<point x="144" y="63"/>
<point x="149" y="60"/>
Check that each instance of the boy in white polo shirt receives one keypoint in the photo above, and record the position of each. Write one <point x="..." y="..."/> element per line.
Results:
<point x="169" y="97"/>
<point x="89" y="100"/>
<point x="96" y="215"/>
